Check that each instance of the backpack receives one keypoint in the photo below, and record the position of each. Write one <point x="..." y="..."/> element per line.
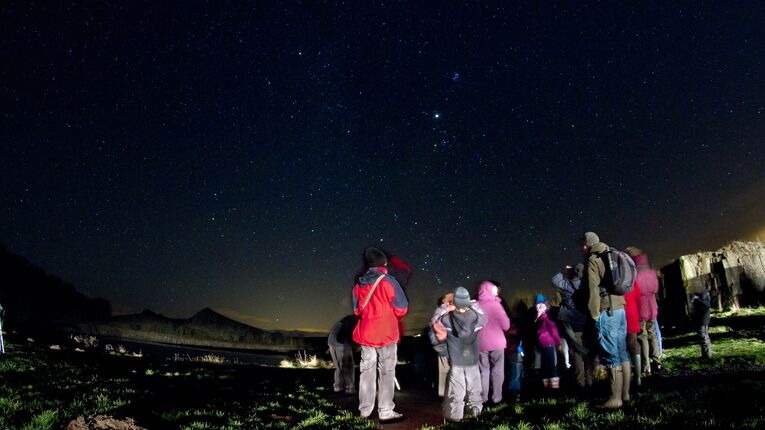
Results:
<point x="620" y="272"/>
<point x="438" y="345"/>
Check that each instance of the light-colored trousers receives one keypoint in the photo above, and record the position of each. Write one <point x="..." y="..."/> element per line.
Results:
<point x="345" y="374"/>
<point x="377" y="376"/>
<point x="443" y="371"/>
<point x="492" y="368"/>
<point x="462" y="381"/>
<point x="650" y="342"/>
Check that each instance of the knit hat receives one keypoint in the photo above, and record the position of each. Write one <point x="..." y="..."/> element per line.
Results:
<point x="590" y="238"/>
<point x="461" y="297"/>
<point x="375" y="257"/>
<point x="540" y="299"/>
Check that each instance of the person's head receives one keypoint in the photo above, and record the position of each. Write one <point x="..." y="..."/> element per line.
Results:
<point x="541" y="308"/>
<point x="461" y="298"/>
<point x="375" y="257"/>
<point x="540" y="299"/>
<point x="446" y="299"/>
<point x="487" y="288"/>
<point x="638" y="256"/>
<point x="588" y="240"/>
<point x="579" y="270"/>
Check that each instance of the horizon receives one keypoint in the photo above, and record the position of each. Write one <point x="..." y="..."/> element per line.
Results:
<point x="176" y="156"/>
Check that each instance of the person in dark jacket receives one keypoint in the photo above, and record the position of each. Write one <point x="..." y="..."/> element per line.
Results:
<point x="700" y="303"/>
<point x="462" y="326"/>
<point x="608" y="314"/>
<point x="340" y="342"/>
<point x="573" y="318"/>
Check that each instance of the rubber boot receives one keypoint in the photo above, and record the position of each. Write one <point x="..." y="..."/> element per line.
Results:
<point x="616" y="379"/>
<point x="638" y="369"/>
<point x="627" y="378"/>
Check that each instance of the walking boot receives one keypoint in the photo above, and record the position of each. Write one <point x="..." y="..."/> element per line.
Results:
<point x="638" y="369"/>
<point x="615" y="379"/>
<point x="627" y="377"/>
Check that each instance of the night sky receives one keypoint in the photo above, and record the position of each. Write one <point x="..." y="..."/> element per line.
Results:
<point x="241" y="155"/>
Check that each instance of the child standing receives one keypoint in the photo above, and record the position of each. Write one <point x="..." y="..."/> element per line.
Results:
<point x="549" y="343"/>
<point x="462" y="326"/>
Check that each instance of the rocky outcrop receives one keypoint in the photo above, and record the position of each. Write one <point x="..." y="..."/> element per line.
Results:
<point x="103" y="422"/>
<point x="734" y="275"/>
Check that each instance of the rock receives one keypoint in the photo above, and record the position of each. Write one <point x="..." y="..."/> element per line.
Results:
<point x="103" y="422"/>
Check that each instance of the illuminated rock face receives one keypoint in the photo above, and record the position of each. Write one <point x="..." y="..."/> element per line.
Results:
<point x="734" y="274"/>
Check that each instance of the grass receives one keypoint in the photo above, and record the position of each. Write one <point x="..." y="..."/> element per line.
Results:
<point x="725" y="392"/>
<point x="41" y="388"/>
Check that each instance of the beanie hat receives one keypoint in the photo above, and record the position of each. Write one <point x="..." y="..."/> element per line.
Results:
<point x="540" y="299"/>
<point x="461" y="297"/>
<point x="375" y="257"/>
<point x="590" y="238"/>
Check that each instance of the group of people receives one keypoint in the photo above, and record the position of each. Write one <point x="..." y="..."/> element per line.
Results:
<point x="477" y="344"/>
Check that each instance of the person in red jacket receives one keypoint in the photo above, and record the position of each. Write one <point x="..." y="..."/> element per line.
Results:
<point x="380" y="303"/>
<point x="632" y="304"/>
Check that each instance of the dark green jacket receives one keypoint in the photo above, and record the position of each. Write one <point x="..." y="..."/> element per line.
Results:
<point x="596" y="270"/>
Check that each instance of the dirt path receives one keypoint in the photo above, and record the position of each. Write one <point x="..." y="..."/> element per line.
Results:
<point x="418" y="406"/>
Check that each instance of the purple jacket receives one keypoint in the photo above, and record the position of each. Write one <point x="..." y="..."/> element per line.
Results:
<point x="492" y="337"/>
<point x="649" y="286"/>
<point x="547" y="332"/>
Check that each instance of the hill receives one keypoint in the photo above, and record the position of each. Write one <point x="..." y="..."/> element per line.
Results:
<point x="206" y="328"/>
<point x="33" y="298"/>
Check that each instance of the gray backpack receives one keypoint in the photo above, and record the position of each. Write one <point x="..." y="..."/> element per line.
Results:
<point x="620" y="272"/>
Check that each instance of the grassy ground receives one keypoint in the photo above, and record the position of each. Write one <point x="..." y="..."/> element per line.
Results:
<point x="42" y="388"/>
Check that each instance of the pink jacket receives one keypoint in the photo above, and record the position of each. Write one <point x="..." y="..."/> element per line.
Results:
<point x="492" y="337"/>
<point x="649" y="287"/>
<point x="547" y="332"/>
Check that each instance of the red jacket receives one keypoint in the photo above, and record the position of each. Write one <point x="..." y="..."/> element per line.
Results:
<point x="631" y="307"/>
<point x="379" y="321"/>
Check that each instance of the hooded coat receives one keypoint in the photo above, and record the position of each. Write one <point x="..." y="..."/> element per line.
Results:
<point x="571" y="304"/>
<point x="649" y="287"/>
<point x="379" y="321"/>
<point x="492" y="337"/>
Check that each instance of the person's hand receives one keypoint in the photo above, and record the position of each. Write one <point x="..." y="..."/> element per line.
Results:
<point x="560" y="348"/>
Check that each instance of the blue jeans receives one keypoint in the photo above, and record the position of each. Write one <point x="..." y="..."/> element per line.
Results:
<point x="516" y="373"/>
<point x="612" y="334"/>
<point x="549" y="362"/>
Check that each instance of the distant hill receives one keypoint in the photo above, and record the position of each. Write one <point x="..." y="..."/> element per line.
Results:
<point x="35" y="299"/>
<point x="206" y="328"/>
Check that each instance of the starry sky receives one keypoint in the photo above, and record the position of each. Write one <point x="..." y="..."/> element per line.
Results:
<point x="241" y="155"/>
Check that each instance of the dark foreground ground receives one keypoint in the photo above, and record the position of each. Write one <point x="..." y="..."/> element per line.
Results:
<point x="44" y="388"/>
